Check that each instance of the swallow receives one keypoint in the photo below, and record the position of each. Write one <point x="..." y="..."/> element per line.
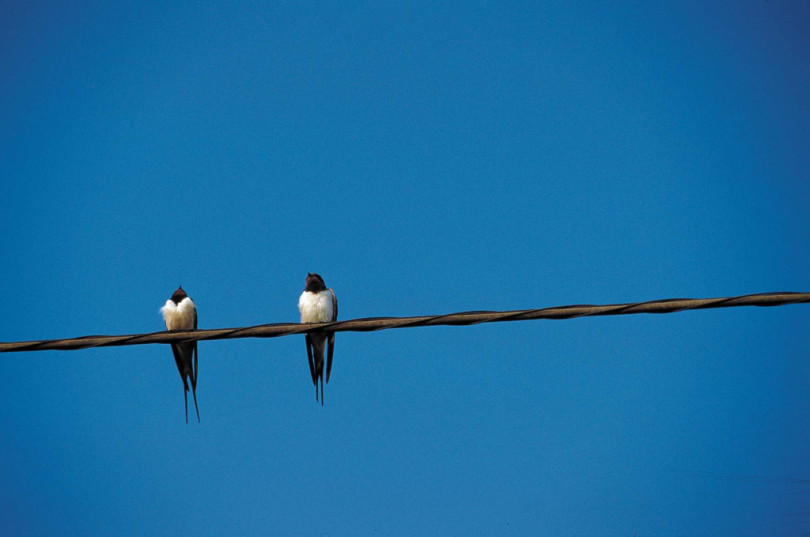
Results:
<point x="318" y="305"/>
<point x="180" y="313"/>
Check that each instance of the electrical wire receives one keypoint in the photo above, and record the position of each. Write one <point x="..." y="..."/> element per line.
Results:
<point x="670" y="305"/>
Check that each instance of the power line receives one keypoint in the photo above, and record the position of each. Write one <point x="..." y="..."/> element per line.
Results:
<point x="670" y="305"/>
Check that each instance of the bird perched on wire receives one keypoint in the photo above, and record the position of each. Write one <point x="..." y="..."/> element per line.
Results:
<point x="318" y="304"/>
<point x="180" y="313"/>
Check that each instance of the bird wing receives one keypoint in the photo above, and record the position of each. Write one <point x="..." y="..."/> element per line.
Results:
<point x="194" y="365"/>
<point x="334" y="306"/>
<point x="331" y="349"/>
<point x="313" y="373"/>
<point x="177" y="351"/>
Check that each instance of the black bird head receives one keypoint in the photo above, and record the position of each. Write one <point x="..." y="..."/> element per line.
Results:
<point x="314" y="283"/>
<point x="179" y="295"/>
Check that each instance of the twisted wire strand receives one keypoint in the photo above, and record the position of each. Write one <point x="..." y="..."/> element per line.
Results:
<point x="669" y="305"/>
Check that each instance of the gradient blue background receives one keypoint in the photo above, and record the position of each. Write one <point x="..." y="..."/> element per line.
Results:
<point x="427" y="158"/>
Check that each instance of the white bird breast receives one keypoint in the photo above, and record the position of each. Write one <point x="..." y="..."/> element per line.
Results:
<point x="179" y="316"/>
<point x="315" y="307"/>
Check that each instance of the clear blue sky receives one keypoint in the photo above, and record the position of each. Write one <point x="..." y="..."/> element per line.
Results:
<point x="424" y="159"/>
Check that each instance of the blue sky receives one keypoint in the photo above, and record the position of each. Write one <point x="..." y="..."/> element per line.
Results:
<point x="424" y="158"/>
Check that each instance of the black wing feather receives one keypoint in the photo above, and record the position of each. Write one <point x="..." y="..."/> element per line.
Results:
<point x="331" y="350"/>
<point x="313" y="373"/>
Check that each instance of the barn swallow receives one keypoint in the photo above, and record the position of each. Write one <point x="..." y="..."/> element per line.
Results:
<point x="318" y="305"/>
<point x="180" y="313"/>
